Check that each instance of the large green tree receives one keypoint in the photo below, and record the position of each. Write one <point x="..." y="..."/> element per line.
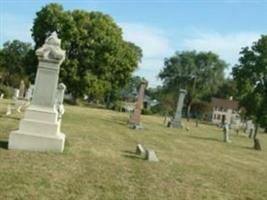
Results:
<point x="251" y="77"/>
<point x="98" y="60"/>
<point x="200" y="73"/>
<point x="13" y="62"/>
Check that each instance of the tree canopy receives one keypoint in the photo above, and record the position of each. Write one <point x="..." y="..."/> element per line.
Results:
<point x="200" y="73"/>
<point x="98" y="60"/>
<point x="13" y="62"/>
<point x="251" y="78"/>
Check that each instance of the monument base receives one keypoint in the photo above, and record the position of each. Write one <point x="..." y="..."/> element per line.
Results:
<point x="136" y="126"/>
<point x="23" y="141"/>
<point x="176" y="124"/>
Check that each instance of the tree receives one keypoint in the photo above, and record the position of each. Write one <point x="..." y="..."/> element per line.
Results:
<point x="199" y="73"/>
<point x="13" y="62"/>
<point x="98" y="60"/>
<point x="251" y="77"/>
<point x="227" y="89"/>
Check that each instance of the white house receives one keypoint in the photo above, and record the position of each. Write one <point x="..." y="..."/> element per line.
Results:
<point x="225" y="111"/>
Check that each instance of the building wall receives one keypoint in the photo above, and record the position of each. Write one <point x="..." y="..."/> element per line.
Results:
<point x="217" y="115"/>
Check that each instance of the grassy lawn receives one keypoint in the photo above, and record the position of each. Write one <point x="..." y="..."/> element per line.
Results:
<point x="98" y="162"/>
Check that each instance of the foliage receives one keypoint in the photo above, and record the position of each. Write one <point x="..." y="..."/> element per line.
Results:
<point x="13" y="62"/>
<point x="98" y="60"/>
<point x="6" y="90"/>
<point x="251" y="77"/>
<point x="199" y="73"/>
<point x="227" y="89"/>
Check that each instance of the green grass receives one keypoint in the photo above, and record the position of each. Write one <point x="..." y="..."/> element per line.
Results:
<point x="98" y="162"/>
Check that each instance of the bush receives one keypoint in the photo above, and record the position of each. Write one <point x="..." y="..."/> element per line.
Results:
<point x="7" y="91"/>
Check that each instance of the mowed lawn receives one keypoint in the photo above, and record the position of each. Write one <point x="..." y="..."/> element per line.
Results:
<point x="99" y="162"/>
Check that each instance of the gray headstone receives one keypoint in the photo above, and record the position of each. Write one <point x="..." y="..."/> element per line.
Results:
<point x="176" y="122"/>
<point x="226" y="133"/>
<point x="151" y="156"/>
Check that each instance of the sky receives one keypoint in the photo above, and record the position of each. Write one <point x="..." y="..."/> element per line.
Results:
<point x="159" y="27"/>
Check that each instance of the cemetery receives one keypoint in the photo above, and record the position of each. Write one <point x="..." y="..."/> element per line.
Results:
<point x="76" y="122"/>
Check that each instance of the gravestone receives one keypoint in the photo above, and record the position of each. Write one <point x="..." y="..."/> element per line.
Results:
<point x="177" y="121"/>
<point x="140" y="150"/>
<point x="21" y="90"/>
<point x="134" y="121"/>
<point x="8" y="111"/>
<point x="29" y="93"/>
<point x="226" y="133"/>
<point x="151" y="156"/>
<point x="2" y="96"/>
<point x="39" y="130"/>
<point x="16" y="94"/>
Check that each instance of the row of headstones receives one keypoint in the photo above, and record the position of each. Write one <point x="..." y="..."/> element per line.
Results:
<point x="20" y="98"/>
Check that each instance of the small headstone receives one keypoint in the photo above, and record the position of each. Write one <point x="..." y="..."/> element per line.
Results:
<point x="151" y="156"/>
<point x="140" y="150"/>
<point x="8" y="112"/>
<point x="21" y="89"/>
<point x="1" y="96"/>
<point x="226" y="133"/>
<point x="187" y="129"/>
<point x="16" y="94"/>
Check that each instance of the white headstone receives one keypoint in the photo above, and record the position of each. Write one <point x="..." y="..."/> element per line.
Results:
<point x="151" y="156"/>
<point x="9" y="111"/>
<point x="140" y="150"/>
<point x="39" y="130"/>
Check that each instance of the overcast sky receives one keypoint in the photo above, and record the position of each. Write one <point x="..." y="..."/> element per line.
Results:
<point x="159" y="27"/>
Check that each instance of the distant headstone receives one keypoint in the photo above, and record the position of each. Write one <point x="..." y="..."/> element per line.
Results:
<point x="21" y="89"/>
<point x="9" y="111"/>
<point x="39" y="130"/>
<point x="151" y="156"/>
<point x="226" y="133"/>
<point x="134" y="121"/>
<point x="2" y="96"/>
<point x="16" y="94"/>
<point x="29" y="93"/>
<point x="177" y="121"/>
<point x="251" y="132"/>
<point x="140" y="150"/>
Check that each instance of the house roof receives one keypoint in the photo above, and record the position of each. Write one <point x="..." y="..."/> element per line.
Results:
<point x="225" y="103"/>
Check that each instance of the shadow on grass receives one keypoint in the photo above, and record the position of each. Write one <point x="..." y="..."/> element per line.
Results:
<point x="204" y="138"/>
<point x="131" y="155"/>
<point x="116" y="120"/>
<point x="3" y="144"/>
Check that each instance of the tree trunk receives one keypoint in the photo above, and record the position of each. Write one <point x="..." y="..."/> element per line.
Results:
<point x="188" y="110"/>
<point x="257" y="145"/>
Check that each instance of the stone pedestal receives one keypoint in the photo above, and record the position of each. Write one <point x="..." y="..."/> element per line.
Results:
<point x="39" y="130"/>
<point x="176" y="122"/>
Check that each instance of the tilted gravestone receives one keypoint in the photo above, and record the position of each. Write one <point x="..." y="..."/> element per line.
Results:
<point x="177" y="121"/>
<point x="140" y="150"/>
<point x="151" y="156"/>
<point x="39" y="130"/>
<point x="135" y="121"/>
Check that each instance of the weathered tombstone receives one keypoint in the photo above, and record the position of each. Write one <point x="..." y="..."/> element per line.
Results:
<point x="134" y="121"/>
<point x="177" y="121"/>
<point x="251" y="132"/>
<point x="16" y="94"/>
<point x="1" y="96"/>
<point x="140" y="150"/>
<point x="8" y="111"/>
<point x="21" y="89"/>
<point x="39" y="130"/>
<point x="29" y="93"/>
<point x="151" y="156"/>
<point x="226" y="133"/>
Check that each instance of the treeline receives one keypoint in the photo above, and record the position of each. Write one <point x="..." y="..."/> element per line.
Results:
<point x="99" y="63"/>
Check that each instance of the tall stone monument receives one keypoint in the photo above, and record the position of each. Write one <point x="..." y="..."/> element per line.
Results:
<point x="39" y="130"/>
<point x="134" y="121"/>
<point x="176" y="122"/>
